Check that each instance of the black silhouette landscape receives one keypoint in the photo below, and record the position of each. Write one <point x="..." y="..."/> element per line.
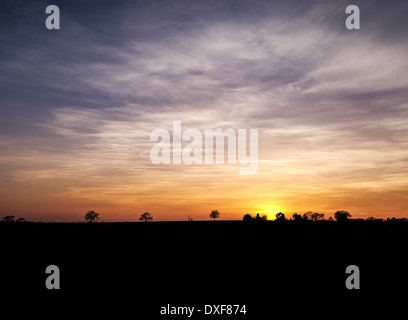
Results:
<point x="250" y="262"/>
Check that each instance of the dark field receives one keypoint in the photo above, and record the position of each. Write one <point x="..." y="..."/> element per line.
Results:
<point x="135" y="268"/>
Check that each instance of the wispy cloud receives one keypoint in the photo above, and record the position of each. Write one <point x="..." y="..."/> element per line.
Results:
<point x="329" y="103"/>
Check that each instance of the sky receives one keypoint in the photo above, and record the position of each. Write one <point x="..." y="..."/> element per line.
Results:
<point x="78" y="106"/>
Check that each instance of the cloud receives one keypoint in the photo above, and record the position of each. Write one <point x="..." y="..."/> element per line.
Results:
<point x="81" y="104"/>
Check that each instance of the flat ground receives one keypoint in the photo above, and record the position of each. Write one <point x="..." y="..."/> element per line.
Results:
<point x="139" y="267"/>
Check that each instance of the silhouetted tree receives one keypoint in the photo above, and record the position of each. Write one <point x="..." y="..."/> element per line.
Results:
<point x="317" y="216"/>
<point x="247" y="217"/>
<point x="393" y="219"/>
<point x="9" y="218"/>
<point x="297" y="217"/>
<point x="307" y="215"/>
<point x="21" y="219"/>
<point x="146" y="217"/>
<point x="342" y="215"/>
<point x="264" y="217"/>
<point x="91" y="216"/>
<point x="214" y="214"/>
<point x="377" y="220"/>
<point x="280" y="216"/>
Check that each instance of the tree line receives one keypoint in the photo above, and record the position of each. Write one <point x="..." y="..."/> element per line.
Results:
<point x="341" y="215"/>
<point x="92" y="216"/>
